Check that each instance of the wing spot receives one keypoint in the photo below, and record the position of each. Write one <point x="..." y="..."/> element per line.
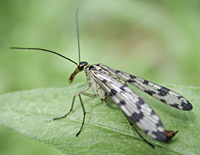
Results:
<point x="137" y="117"/>
<point x="146" y="82"/>
<point x="140" y="101"/>
<point x="104" y="80"/>
<point x="132" y="76"/>
<point x="163" y="91"/>
<point x="163" y="100"/>
<point x="179" y="97"/>
<point x="186" y="106"/>
<point x="153" y="112"/>
<point x="149" y="92"/>
<point x="122" y="87"/>
<point x="92" y="68"/>
<point x="117" y="71"/>
<point x="122" y="102"/>
<point x="175" y="105"/>
<point x="113" y="92"/>
<point x="130" y="81"/>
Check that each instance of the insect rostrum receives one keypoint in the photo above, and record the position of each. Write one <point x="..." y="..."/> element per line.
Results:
<point x="111" y="83"/>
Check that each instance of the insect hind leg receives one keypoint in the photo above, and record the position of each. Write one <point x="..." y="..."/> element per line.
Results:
<point x="131" y="124"/>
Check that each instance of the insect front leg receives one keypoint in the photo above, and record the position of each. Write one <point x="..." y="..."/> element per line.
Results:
<point x="72" y="106"/>
<point x="82" y="105"/>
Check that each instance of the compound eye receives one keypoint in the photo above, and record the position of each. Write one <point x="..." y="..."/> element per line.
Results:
<point x="82" y="65"/>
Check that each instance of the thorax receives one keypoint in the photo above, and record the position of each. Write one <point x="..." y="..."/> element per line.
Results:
<point x="89" y="71"/>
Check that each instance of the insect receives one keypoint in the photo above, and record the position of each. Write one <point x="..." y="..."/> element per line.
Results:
<point x="111" y="83"/>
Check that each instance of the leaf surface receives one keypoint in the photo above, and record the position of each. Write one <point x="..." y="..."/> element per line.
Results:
<point x="106" y="130"/>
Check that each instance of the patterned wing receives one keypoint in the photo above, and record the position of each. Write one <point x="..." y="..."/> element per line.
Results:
<point x="159" y="92"/>
<point x="131" y="104"/>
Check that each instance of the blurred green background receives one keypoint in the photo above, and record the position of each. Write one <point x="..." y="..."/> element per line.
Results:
<point x="158" y="40"/>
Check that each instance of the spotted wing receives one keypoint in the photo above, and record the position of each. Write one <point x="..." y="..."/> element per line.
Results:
<point x="131" y="104"/>
<point x="159" y="92"/>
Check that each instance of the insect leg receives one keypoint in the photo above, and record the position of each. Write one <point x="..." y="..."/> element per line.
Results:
<point x="83" y="108"/>
<point x="131" y="124"/>
<point x="89" y="95"/>
<point x="84" y="113"/>
<point x="82" y="105"/>
<point x="72" y="106"/>
<point x="107" y="98"/>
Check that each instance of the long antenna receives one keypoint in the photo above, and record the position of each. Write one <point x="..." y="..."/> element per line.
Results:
<point x="77" y="29"/>
<point x="41" y="49"/>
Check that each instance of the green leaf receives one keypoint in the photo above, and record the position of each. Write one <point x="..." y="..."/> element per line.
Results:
<point x="106" y="130"/>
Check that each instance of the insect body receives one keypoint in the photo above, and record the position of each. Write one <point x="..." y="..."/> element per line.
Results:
<point x="105" y="83"/>
<point x="108" y="82"/>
